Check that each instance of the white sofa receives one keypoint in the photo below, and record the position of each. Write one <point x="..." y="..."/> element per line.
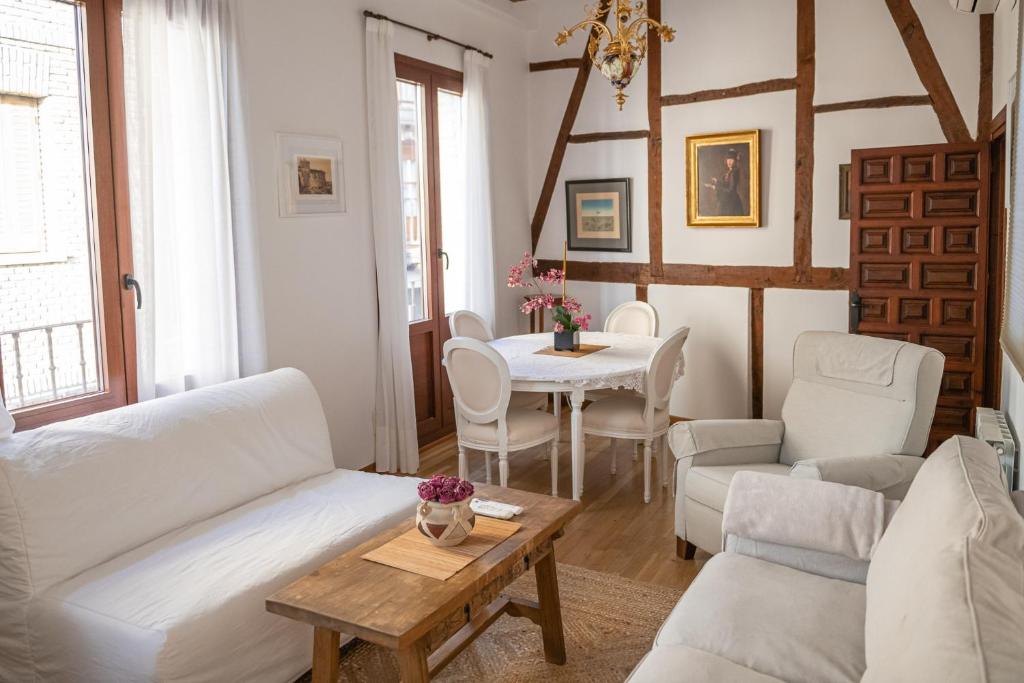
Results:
<point x="823" y="582"/>
<point x="140" y="544"/>
<point x="858" y="412"/>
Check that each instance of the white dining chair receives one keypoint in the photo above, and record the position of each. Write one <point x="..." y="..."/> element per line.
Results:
<point x="642" y="418"/>
<point x="469" y="324"/>
<point x="482" y="387"/>
<point x="633" y="317"/>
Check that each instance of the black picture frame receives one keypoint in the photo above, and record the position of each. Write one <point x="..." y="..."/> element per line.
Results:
<point x="618" y="191"/>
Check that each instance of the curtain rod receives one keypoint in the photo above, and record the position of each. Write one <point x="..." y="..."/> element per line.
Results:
<point x="430" y="34"/>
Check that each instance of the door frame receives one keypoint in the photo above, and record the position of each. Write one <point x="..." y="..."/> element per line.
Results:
<point x="996" y="281"/>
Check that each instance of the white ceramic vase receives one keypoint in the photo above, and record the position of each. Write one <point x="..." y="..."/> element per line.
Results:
<point x="445" y="524"/>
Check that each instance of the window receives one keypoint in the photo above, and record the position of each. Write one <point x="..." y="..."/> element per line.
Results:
<point x="63" y="346"/>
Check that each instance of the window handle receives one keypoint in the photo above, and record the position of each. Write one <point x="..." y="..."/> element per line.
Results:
<point x="131" y="283"/>
<point x="442" y="254"/>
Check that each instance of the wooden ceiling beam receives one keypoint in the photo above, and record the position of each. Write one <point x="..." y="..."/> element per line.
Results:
<point x="555" y="64"/>
<point x="919" y="48"/>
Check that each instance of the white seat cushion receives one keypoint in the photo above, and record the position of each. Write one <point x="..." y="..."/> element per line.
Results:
<point x="530" y="400"/>
<point x="621" y="415"/>
<point x="524" y="427"/>
<point x="671" y="663"/>
<point x="190" y="605"/>
<point x="775" y="620"/>
<point x="709" y="484"/>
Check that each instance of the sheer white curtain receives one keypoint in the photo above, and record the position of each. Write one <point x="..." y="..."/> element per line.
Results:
<point x="193" y="234"/>
<point x="394" y="411"/>
<point x="479" y="279"/>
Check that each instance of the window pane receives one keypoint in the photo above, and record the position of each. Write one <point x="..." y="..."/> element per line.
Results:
<point x="48" y="336"/>
<point x="412" y="122"/>
<point x="453" y="192"/>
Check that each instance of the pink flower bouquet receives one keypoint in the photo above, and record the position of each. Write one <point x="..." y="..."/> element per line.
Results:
<point x="568" y="316"/>
<point x="445" y="490"/>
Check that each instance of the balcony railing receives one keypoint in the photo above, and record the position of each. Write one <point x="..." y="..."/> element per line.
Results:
<point x="48" y="363"/>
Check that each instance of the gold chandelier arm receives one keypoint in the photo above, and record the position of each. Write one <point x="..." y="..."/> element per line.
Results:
<point x="667" y="33"/>
<point x="565" y="34"/>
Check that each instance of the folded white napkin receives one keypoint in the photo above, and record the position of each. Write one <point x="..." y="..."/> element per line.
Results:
<point x="492" y="508"/>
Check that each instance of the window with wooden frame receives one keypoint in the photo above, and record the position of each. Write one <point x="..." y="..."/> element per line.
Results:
<point x="67" y="342"/>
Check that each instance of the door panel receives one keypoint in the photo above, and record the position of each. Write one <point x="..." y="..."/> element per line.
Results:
<point x="918" y="259"/>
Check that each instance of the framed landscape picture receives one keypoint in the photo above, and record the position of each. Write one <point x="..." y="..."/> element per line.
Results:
<point x="597" y="215"/>
<point x="311" y="177"/>
<point x="723" y="179"/>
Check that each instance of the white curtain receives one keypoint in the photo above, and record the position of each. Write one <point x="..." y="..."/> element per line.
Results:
<point x="394" y="410"/>
<point x="478" y="285"/>
<point x="193" y="233"/>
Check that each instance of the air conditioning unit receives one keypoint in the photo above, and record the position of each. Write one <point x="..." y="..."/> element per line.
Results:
<point x="990" y="426"/>
<point x="976" y="6"/>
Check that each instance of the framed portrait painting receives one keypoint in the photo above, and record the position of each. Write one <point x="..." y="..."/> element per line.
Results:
<point x="597" y="215"/>
<point x="723" y="179"/>
<point x="311" y="175"/>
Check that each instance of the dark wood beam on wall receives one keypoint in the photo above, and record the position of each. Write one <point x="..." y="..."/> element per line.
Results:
<point x="985" y="39"/>
<point x="654" y="165"/>
<point x="572" y="108"/>
<point x="555" y="64"/>
<point x="804" y="178"/>
<point x="758" y="88"/>
<point x="765" y="277"/>
<point x="757" y="353"/>
<point x="583" y="138"/>
<point x="928" y="70"/>
<point x="875" y="103"/>
<point x="641" y="293"/>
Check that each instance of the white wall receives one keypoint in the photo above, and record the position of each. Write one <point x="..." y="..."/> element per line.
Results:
<point x="304" y="68"/>
<point x="726" y="43"/>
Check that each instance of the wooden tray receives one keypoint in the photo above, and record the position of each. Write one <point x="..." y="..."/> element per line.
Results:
<point x="585" y="350"/>
<point x="413" y="552"/>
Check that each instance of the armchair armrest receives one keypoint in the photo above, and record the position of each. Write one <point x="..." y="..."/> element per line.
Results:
<point x="727" y="442"/>
<point x="888" y="474"/>
<point x="813" y="515"/>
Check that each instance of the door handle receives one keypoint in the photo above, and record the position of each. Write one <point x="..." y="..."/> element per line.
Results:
<point x="131" y="283"/>
<point x="442" y="254"/>
<point x="855" y="308"/>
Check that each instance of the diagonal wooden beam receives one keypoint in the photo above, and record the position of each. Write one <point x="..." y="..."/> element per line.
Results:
<point x="745" y="90"/>
<point x="985" y="30"/>
<point x="654" y="165"/>
<point x="572" y="108"/>
<point x="804" y="179"/>
<point x="928" y="70"/>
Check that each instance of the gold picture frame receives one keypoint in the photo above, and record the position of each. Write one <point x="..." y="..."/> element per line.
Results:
<point x="723" y="180"/>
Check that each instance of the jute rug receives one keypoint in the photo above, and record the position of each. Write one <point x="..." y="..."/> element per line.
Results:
<point x="609" y="625"/>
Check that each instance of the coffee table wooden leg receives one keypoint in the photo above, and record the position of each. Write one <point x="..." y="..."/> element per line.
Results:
<point x="326" y="656"/>
<point x="550" y="610"/>
<point x="412" y="664"/>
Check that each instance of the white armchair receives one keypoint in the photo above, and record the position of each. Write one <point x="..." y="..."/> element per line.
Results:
<point x="857" y="413"/>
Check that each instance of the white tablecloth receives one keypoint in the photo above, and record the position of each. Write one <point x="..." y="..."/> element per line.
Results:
<point x="622" y="366"/>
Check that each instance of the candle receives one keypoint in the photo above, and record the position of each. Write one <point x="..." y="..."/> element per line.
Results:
<point x="564" y="263"/>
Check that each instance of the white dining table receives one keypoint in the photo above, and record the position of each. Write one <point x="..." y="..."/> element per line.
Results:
<point x="623" y="365"/>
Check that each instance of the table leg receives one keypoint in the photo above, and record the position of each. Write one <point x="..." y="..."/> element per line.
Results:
<point x="326" y="656"/>
<point x="578" y="446"/>
<point x="550" y="609"/>
<point x="412" y="664"/>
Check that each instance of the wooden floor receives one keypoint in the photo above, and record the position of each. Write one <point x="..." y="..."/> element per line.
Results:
<point x="615" y="532"/>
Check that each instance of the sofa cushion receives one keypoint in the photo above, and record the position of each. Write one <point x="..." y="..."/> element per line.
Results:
<point x="190" y="606"/>
<point x="944" y="589"/>
<point x="709" y="485"/>
<point x="670" y="663"/>
<point x="775" y="620"/>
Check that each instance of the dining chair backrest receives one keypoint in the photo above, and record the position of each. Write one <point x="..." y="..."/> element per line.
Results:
<point x="633" y="317"/>
<point x="661" y="369"/>
<point x="469" y="324"/>
<point x="479" y="378"/>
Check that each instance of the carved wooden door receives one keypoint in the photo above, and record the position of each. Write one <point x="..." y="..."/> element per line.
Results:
<point x="918" y="262"/>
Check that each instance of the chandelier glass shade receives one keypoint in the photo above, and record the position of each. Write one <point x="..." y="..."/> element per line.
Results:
<point x="618" y="56"/>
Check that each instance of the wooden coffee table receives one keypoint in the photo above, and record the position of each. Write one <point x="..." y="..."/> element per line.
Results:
<point x="428" y="622"/>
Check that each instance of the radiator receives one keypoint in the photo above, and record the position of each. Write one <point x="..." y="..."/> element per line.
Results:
<point x="990" y="426"/>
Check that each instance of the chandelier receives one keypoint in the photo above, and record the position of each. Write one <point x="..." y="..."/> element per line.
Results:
<point x="623" y="53"/>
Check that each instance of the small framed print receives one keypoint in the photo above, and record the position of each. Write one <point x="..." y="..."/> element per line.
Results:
<point x="723" y="179"/>
<point x="311" y="175"/>
<point x="844" y="191"/>
<point x="598" y="215"/>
